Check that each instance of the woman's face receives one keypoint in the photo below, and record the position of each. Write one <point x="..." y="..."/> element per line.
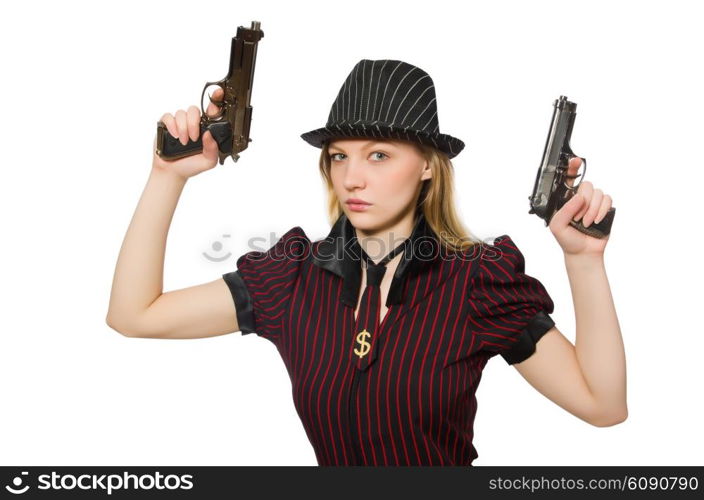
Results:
<point x="387" y="174"/>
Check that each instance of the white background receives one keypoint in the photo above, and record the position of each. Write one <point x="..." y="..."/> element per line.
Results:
<point x="83" y="86"/>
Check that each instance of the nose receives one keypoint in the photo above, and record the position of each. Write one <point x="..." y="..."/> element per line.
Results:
<point x="354" y="176"/>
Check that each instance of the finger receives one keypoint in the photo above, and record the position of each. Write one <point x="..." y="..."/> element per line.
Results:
<point x="603" y="209"/>
<point x="193" y="123"/>
<point x="562" y="217"/>
<point x="585" y="189"/>
<point x="182" y="122"/>
<point x="593" y="209"/>
<point x="573" y="169"/>
<point x="210" y="147"/>
<point x="170" y="123"/>
<point x="217" y="94"/>
<point x="214" y="109"/>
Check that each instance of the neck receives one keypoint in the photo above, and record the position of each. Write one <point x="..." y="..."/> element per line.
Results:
<point x="378" y="243"/>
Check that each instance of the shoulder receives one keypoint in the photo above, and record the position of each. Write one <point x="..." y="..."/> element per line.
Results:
<point x="501" y="253"/>
<point x="293" y="246"/>
<point x="496" y="260"/>
<point x="500" y="274"/>
<point x="489" y="250"/>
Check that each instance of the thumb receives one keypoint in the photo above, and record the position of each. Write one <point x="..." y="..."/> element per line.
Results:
<point x="563" y="216"/>
<point x="210" y="147"/>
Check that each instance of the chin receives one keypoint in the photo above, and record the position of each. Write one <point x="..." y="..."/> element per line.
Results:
<point x="363" y="217"/>
<point x="360" y="216"/>
<point x="366" y="221"/>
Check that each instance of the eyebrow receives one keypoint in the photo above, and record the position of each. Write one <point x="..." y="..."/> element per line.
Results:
<point x="365" y="145"/>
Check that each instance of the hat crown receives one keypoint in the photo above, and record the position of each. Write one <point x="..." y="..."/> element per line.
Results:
<point x="387" y="99"/>
<point x="387" y="92"/>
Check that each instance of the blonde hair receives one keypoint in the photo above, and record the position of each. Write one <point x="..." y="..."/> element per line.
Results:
<point x="436" y="198"/>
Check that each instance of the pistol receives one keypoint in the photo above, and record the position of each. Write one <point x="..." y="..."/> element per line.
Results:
<point x="551" y="190"/>
<point x="230" y="127"/>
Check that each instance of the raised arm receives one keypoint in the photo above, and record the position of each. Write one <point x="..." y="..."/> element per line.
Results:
<point x="587" y="378"/>
<point x="138" y="307"/>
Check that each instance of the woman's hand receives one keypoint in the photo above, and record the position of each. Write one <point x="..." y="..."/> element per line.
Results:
<point x="186" y="125"/>
<point x="588" y="204"/>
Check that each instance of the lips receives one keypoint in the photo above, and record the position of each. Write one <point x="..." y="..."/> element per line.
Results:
<point x="357" y="201"/>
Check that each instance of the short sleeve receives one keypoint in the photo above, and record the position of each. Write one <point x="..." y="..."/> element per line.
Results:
<point x="263" y="283"/>
<point x="509" y="310"/>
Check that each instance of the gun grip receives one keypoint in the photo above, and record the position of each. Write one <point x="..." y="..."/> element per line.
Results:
<point x="170" y="148"/>
<point x="597" y="230"/>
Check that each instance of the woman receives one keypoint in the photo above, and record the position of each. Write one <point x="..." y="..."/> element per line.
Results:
<point x="385" y="325"/>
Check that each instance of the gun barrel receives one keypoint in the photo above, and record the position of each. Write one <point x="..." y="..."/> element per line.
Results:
<point x="556" y="147"/>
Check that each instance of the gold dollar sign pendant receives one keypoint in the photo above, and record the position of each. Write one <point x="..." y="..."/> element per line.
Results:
<point x="364" y="346"/>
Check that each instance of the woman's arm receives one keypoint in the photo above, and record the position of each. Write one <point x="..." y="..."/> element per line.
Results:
<point x="598" y="343"/>
<point x="588" y="378"/>
<point x="138" y="278"/>
<point x="138" y="308"/>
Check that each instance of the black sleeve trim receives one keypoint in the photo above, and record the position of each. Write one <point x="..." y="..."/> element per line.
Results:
<point x="242" y="300"/>
<point x="525" y="347"/>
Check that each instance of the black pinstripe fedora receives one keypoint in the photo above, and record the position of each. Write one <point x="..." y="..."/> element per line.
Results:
<point x="386" y="99"/>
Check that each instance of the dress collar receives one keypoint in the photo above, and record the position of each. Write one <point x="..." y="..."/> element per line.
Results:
<point x="340" y="253"/>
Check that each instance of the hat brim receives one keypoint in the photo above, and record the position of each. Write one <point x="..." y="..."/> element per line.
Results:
<point x="448" y="144"/>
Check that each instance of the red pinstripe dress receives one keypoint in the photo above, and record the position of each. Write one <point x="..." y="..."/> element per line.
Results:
<point x="448" y="314"/>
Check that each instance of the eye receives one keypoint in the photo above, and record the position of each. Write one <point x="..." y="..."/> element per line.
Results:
<point x="384" y="155"/>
